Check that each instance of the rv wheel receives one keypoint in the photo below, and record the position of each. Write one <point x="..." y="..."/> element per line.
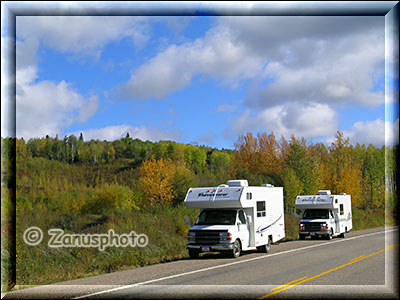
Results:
<point x="268" y="245"/>
<point x="236" y="249"/>
<point x="343" y="235"/>
<point x="330" y="235"/>
<point x="265" y="248"/>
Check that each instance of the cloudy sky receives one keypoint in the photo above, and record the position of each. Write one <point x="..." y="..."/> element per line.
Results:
<point x="202" y="79"/>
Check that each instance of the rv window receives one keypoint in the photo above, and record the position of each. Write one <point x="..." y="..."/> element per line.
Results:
<point x="260" y="208"/>
<point x="242" y="217"/>
<point x="249" y="196"/>
<point x="316" y="214"/>
<point x="341" y="209"/>
<point x="217" y="217"/>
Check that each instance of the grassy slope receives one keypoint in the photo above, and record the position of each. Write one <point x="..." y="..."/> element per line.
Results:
<point x="165" y="227"/>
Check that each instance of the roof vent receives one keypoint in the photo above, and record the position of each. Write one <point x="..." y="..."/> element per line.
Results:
<point x="241" y="182"/>
<point x="324" y="192"/>
<point x="267" y="185"/>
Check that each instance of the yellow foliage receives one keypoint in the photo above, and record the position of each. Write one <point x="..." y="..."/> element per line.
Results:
<point x="156" y="183"/>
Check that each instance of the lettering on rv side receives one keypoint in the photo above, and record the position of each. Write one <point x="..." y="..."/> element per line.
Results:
<point x="212" y="195"/>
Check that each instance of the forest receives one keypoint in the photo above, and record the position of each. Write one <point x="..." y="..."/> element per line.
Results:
<point x="90" y="186"/>
<point x="131" y="173"/>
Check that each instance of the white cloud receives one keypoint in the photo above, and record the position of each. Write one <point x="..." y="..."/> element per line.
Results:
<point x="173" y="69"/>
<point x="321" y="59"/>
<point x="310" y="120"/>
<point x="85" y="35"/>
<point x="329" y="60"/>
<point x="392" y="133"/>
<point x="42" y="107"/>
<point x="48" y="107"/>
<point x="377" y="133"/>
<point x="111" y="133"/>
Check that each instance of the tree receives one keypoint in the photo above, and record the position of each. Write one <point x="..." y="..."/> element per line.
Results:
<point x="182" y="180"/>
<point x="246" y="153"/>
<point x="374" y="167"/>
<point x="347" y="171"/>
<point x="21" y="148"/>
<point x="305" y="166"/>
<point x="292" y="187"/>
<point x="156" y="182"/>
<point x="270" y="154"/>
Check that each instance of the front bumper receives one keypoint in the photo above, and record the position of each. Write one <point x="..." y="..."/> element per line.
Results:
<point x="214" y="247"/>
<point x="314" y="233"/>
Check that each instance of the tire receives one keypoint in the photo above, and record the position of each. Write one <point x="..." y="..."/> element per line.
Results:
<point x="237" y="248"/>
<point x="330" y="235"/>
<point x="265" y="248"/>
<point x="268" y="246"/>
<point x="342" y="235"/>
<point x="194" y="253"/>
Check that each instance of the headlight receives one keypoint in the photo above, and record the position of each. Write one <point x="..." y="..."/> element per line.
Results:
<point x="225" y="236"/>
<point x="191" y="236"/>
<point x="324" y="226"/>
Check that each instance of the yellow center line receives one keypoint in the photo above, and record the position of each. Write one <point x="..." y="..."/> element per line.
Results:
<point x="326" y="272"/>
<point x="357" y="258"/>
<point x="277" y="288"/>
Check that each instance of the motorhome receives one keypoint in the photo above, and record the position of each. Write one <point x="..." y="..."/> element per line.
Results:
<point x="235" y="217"/>
<point x="324" y="215"/>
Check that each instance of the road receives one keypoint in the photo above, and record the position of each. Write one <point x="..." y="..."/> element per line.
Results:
<point x="363" y="265"/>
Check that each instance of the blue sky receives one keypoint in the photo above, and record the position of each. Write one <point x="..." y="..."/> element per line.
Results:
<point x="202" y="79"/>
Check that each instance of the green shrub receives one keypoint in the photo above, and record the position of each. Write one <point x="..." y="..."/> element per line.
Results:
<point x="112" y="196"/>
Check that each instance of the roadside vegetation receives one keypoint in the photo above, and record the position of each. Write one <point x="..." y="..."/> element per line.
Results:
<point x="93" y="186"/>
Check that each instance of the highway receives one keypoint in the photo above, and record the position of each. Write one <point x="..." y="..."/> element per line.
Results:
<point x="362" y="265"/>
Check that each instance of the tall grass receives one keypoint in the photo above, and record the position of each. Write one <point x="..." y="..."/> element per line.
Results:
<point x="166" y="230"/>
<point x="165" y="227"/>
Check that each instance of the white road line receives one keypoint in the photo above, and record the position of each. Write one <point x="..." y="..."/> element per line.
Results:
<point x="226" y="265"/>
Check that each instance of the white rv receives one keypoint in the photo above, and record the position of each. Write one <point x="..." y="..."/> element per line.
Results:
<point x="324" y="215"/>
<point x="235" y="217"/>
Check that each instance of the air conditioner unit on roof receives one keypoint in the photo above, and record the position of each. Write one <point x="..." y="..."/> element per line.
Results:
<point x="241" y="182"/>
<point x="324" y="192"/>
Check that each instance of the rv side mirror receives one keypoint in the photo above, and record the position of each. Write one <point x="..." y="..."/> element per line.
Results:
<point x="249" y="219"/>
<point x="188" y="221"/>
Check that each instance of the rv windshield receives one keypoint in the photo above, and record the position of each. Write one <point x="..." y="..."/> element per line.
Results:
<point x="217" y="217"/>
<point x="316" y="214"/>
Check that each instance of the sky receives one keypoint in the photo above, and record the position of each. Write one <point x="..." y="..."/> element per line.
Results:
<point x="202" y="79"/>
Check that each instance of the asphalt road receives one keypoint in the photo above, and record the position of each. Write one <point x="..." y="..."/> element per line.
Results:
<point x="363" y="265"/>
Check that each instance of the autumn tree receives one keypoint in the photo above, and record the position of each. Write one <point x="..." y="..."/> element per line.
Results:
<point x="246" y="153"/>
<point x="270" y="155"/>
<point x="347" y="172"/>
<point x="156" y="181"/>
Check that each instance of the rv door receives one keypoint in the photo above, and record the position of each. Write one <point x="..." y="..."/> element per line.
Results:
<point x="243" y="228"/>
<point x="337" y="229"/>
